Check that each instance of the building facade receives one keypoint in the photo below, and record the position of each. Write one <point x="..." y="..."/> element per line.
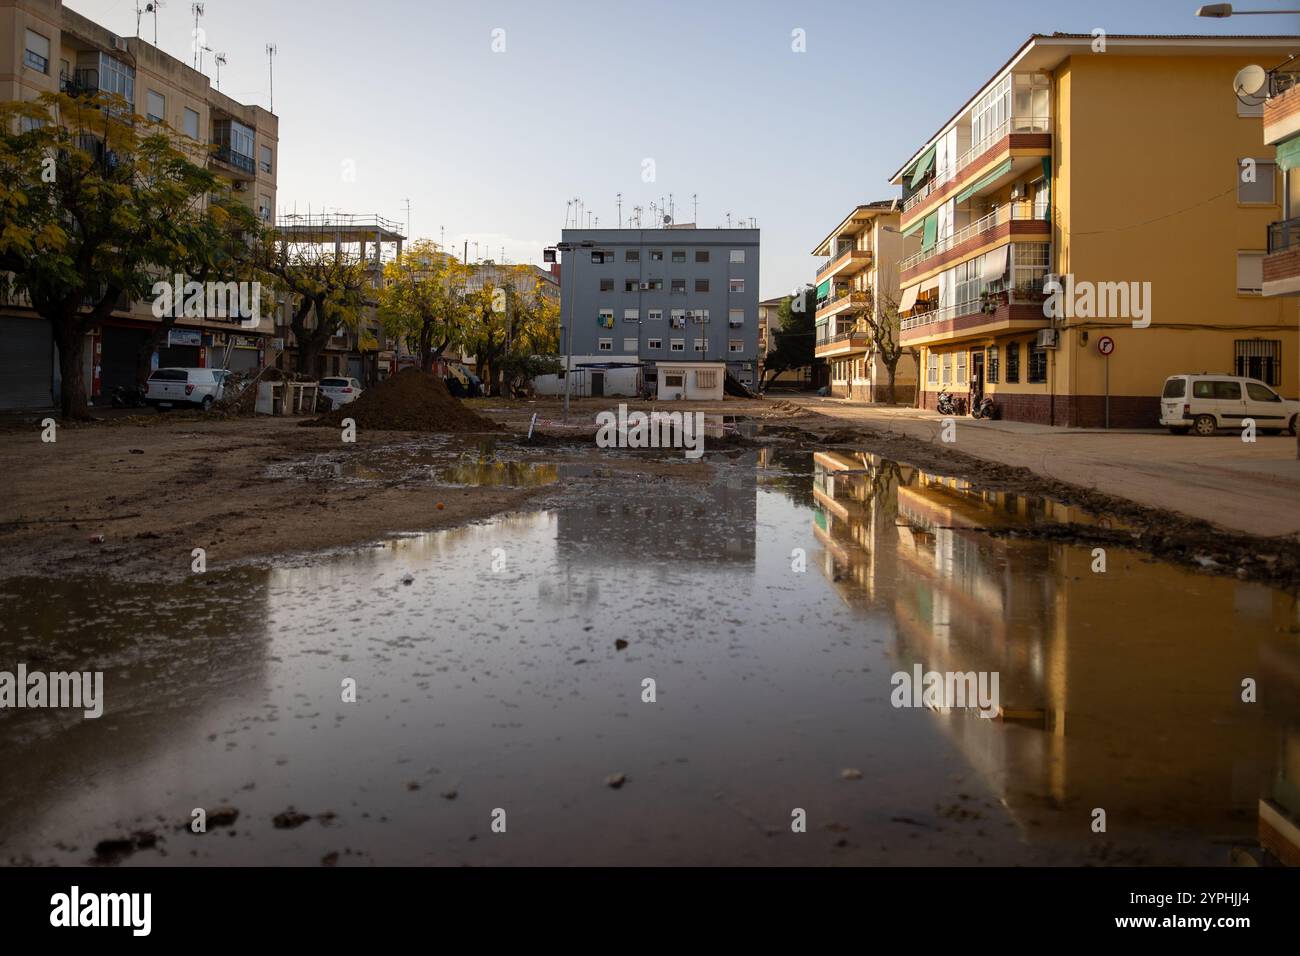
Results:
<point x="1111" y="175"/>
<point x="47" y="48"/>
<point x="632" y="299"/>
<point x="859" y="280"/>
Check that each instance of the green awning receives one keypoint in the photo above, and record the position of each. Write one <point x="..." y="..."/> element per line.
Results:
<point x="973" y="188"/>
<point x="931" y="230"/>
<point x="1288" y="154"/>
<point x="824" y="289"/>
<point x="914" y="228"/>
<point x="923" y="166"/>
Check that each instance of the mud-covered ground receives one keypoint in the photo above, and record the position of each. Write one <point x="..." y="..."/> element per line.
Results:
<point x="156" y="487"/>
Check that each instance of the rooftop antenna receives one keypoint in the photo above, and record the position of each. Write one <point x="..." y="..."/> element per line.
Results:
<point x="197" y="10"/>
<point x="619" y="198"/>
<point x="271" y="51"/>
<point x="202" y="50"/>
<point x="152" y="8"/>
<point x="695" y="207"/>
<point x="442" y="238"/>
<point x="220" y="60"/>
<point x="728" y="220"/>
<point x="672" y="207"/>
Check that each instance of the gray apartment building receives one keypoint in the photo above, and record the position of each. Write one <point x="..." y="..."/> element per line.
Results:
<point x="636" y="298"/>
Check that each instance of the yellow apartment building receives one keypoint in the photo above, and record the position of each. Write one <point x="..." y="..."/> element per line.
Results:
<point x="1110" y="171"/>
<point x="46" y="47"/>
<point x="858" y="278"/>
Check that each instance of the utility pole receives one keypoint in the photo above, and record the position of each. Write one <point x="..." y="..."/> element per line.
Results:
<point x="270" y="65"/>
<point x="695" y="207"/>
<point x="408" y="217"/>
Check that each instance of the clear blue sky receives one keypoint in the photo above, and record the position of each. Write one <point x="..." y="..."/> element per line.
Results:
<point x="492" y="145"/>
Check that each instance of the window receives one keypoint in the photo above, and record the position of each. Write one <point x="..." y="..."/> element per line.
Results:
<point x="655" y="315"/>
<point x="1259" y="358"/>
<point x="606" y="285"/>
<point x="656" y="284"/>
<point x="605" y="345"/>
<point x="932" y="368"/>
<point x="1217" y="389"/>
<point x="631" y="315"/>
<point x="37" y="54"/>
<point x="656" y="255"/>
<point x="1258" y="393"/>
<point x="699" y="316"/>
<point x="629" y="345"/>
<point x="264" y="159"/>
<point x="157" y="107"/>
<point x="673" y="381"/>
<point x="701" y="285"/>
<point x="115" y="77"/>
<point x="701" y="345"/>
<point x="735" y="285"/>
<point x="630" y="285"/>
<point x="947" y="369"/>
<point x="1037" y="365"/>
<point x="1262" y="188"/>
<point x="706" y="378"/>
<point x="991" y="365"/>
<point x="701" y="255"/>
<point x="1250" y="273"/>
<point x="654" y="344"/>
<point x="737" y="255"/>
<point x="735" y="318"/>
<point x="735" y="345"/>
<point x="677" y="318"/>
<point x="677" y="345"/>
<point x="265" y="210"/>
<point x="961" y="367"/>
<point x="632" y="255"/>
<point x="679" y="255"/>
<point x="191" y="123"/>
<point x="234" y="144"/>
<point x="1030" y="104"/>
<point x="606" y="320"/>
<point x="679" y="285"/>
<point x="1030" y="265"/>
<point x="1013" y="363"/>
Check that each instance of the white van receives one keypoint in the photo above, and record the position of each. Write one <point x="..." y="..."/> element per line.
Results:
<point x="1204" y="403"/>
<point x="196" y="387"/>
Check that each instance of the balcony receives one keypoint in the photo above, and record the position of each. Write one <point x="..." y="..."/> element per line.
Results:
<point x="851" y="299"/>
<point x="1022" y="308"/>
<point x="1282" y="263"/>
<point x="846" y="262"/>
<point x="998" y="224"/>
<point x="84" y="82"/>
<point x="856" y="338"/>
<point x="1282" y="108"/>
<point x="1018" y="131"/>
<point x="238" y="161"/>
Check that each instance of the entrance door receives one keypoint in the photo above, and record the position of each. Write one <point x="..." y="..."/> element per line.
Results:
<point x="597" y="384"/>
<point x="977" y="373"/>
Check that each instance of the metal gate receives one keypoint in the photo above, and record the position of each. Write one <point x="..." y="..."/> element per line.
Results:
<point x="26" y="364"/>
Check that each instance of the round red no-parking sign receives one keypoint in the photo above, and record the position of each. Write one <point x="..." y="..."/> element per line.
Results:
<point x="1105" y="345"/>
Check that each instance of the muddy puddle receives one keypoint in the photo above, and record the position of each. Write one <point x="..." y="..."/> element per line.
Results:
<point x="500" y="672"/>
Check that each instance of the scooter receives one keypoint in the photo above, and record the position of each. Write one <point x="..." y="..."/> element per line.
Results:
<point x="984" y="408"/>
<point x="128" y="396"/>
<point x="946" y="404"/>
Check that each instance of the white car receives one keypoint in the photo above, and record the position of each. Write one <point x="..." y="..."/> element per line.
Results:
<point x="173" y="387"/>
<point x="340" y="391"/>
<point x="1204" y="403"/>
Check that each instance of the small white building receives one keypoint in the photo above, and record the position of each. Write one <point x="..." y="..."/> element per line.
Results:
<point x="695" y="381"/>
<point x="593" y="377"/>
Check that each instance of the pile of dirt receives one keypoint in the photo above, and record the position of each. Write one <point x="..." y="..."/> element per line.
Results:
<point x="411" y="400"/>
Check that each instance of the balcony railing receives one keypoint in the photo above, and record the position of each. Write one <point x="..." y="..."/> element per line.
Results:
<point x="1016" y="124"/>
<point x="856" y="297"/>
<point x="1284" y="236"/>
<point x="1015" y="211"/>
<point x="1024" y="294"/>
<point x="840" y="257"/>
<point x="83" y="82"/>
<point x="228" y="156"/>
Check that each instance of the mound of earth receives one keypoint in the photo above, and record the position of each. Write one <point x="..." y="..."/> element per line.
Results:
<point x="411" y="400"/>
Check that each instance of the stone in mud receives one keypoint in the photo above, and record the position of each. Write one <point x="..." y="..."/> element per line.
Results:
<point x="222" y="816"/>
<point x="615" y="780"/>
<point x="289" y="819"/>
<point x="849" y="773"/>
<point x="620" y="644"/>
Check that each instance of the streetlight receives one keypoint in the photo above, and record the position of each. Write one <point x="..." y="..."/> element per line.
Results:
<point x="1220" y="11"/>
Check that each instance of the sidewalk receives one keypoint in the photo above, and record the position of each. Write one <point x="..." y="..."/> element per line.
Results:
<point x="1250" y="487"/>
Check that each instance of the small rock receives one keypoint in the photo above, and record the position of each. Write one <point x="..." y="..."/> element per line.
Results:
<point x="222" y="816"/>
<point x="329" y="859"/>
<point x="620" y="644"/>
<point x="289" y="819"/>
<point x="615" y="780"/>
<point x="849" y="773"/>
<point x="137" y="451"/>
<point x="449" y="794"/>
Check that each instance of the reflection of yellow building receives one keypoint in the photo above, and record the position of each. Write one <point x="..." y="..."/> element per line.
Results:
<point x="1119" y="702"/>
<point x="1112" y="164"/>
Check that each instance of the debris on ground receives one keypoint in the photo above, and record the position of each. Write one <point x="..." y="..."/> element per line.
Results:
<point x="615" y="780"/>
<point x="849" y="773"/>
<point x="411" y="400"/>
<point x="289" y="819"/>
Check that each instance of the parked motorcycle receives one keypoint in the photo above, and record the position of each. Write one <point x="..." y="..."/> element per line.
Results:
<point x="128" y="396"/>
<point x="984" y="409"/>
<point x="947" y="405"/>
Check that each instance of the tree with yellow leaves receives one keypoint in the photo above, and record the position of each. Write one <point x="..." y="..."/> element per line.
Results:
<point x="423" y="301"/>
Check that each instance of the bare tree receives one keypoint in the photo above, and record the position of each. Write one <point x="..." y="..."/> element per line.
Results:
<point x="884" y="323"/>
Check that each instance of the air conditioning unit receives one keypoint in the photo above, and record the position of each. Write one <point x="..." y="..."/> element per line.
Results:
<point x="277" y="345"/>
<point x="1017" y="191"/>
<point x="117" y="43"/>
<point x="645" y="286"/>
<point x="1048" y="338"/>
<point x="239" y="186"/>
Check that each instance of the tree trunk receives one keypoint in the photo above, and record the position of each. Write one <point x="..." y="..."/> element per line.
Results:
<point x="71" y="340"/>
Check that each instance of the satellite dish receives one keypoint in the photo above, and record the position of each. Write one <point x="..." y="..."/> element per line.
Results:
<point x="1251" y="85"/>
<point x="668" y="220"/>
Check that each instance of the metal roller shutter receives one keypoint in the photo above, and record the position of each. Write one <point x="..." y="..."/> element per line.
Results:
<point x="26" y="364"/>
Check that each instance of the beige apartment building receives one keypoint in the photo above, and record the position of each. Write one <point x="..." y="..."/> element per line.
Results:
<point x="859" y="279"/>
<point x="45" y="48"/>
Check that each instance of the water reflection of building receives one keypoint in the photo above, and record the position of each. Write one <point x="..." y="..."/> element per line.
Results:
<point x="704" y="522"/>
<point x="1120" y="689"/>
